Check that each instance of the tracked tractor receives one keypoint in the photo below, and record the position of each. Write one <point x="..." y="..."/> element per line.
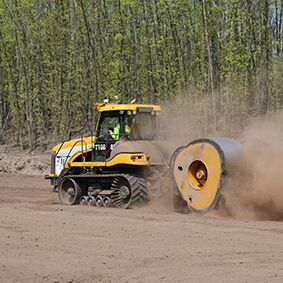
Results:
<point x="113" y="166"/>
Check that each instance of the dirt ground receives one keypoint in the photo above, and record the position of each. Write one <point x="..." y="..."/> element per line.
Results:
<point x="43" y="241"/>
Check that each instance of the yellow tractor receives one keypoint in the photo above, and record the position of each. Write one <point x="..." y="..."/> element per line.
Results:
<point x="113" y="165"/>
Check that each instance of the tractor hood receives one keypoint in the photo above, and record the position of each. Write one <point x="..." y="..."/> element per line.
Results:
<point x="85" y="142"/>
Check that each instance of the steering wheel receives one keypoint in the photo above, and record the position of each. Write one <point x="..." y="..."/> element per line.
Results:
<point x="105" y="137"/>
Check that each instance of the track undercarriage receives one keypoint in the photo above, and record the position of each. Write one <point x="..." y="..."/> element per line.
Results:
<point x="108" y="190"/>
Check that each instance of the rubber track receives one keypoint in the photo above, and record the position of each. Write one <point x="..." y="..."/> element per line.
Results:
<point x="139" y="190"/>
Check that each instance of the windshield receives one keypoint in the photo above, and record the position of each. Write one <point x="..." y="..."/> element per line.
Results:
<point x="143" y="126"/>
<point x="130" y="125"/>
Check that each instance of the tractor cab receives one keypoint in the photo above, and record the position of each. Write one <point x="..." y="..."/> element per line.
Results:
<point x="127" y="121"/>
<point x="123" y="122"/>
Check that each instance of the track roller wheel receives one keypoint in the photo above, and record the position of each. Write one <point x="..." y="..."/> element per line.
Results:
<point x="99" y="201"/>
<point x="83" y="200"/>
<point x="69" y="191"/>
<point x="91" y="201"/>
<point x="128" y="189"/>
<point x="107" y="201"/>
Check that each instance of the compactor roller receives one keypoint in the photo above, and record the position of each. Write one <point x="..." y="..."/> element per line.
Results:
<point x="116" y="164"/>
<point x="199" y="168"/>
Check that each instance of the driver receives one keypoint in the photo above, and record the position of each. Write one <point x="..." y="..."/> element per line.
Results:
<point x="116" y="131"/>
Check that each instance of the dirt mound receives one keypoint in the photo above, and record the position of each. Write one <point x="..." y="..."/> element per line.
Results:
<point x="15" y="162"/>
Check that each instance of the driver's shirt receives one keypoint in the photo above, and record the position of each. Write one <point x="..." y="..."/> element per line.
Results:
<point x="116" y="131"/>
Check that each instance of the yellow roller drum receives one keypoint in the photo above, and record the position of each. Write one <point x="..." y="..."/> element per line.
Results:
<point x="198" y="170"/>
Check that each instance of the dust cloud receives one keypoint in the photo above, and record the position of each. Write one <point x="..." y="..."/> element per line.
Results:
<point x="182" y="121"/>
<point x="256" y="189"/>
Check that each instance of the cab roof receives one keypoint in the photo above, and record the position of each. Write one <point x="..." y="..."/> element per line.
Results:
<point x="104" y="106"/>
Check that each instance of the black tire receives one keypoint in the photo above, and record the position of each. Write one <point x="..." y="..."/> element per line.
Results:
<point x="69" y="191"/>
<point x="137" y="190"/>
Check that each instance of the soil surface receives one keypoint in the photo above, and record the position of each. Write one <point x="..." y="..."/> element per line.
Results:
<point x="44" y="241"/>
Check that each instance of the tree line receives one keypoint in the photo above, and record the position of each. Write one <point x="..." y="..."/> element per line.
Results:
<point x="58" y="57"/>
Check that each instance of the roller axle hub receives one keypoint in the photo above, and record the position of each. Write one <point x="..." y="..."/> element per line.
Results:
<point x="200" y="174"/>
